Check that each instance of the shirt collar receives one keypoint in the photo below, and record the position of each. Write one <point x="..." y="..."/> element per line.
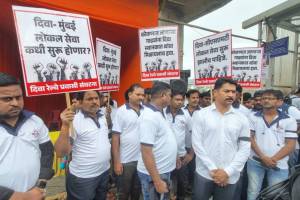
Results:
<point x="187" y="107"/>
<point x="23" y="117"/>
<point x="98" y="114"/>
<point x="128" y="107"/>
<point x="281" y="115"/>
<point x="231" y="109"/>
<point x="155" y="108"/>
<point x="178" y="112"/>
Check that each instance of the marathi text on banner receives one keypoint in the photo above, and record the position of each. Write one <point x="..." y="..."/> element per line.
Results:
<point x="55" y="47"/>
<point x="247" y="66"/>
<point x="159" y="53"/>
<point x="212" y="58"/>
<point x="108" y="65"/>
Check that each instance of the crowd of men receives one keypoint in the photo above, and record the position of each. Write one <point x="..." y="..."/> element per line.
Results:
<point x="165" y="143"/>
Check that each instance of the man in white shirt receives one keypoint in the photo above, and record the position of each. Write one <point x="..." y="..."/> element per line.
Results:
<point x="193" y="98"/>
<point x="295" y="98"/>
<point x="180" y="125"/>
<point x="89" y="169"/>
<point x="158" y="145"/>
<point x="205" y="99"/>
<point x="237" y="102"/>
<point x="126" y="145"/>
<point x="273" y="138"/>
<point x="221" y="141"/>
<point x="26" y="152"/>
<point x="295" y="113"/>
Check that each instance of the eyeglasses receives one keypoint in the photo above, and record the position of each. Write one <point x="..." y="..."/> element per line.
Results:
<point x="268" y="98"/>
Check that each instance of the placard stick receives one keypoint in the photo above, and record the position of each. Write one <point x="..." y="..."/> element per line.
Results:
<point x="69" y="105"/>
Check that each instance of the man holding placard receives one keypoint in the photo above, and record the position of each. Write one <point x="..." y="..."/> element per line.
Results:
<point x="89" y="169"/>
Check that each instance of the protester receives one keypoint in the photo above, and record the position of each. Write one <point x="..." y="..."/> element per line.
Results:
<point x="158" y="145"/>
<point x="26" y="152"/>
<point x="205" y="99"/>
<point x="179" y="123"/>
<point x="221" y="141"/>
<point x="257" y="101"/>
<point x="193" y="99"/>
<point x="125" y="144"/>
<point x="237" y="102"/>
<point x="147" y="98"/>
<point x="247" y="100"/>
<point x="295" y="113"/>
<point x="88" y="174"/>
<point x="273" y="138"/>
<point x="295" y="98"/>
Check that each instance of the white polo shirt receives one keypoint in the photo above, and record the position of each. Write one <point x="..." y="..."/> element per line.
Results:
<point x="91" y="148"/>
<point x="189" y="115"/>
<point x="243" y="110"/>
<point x="125" y="123"/>
<point x="270" y="138"/>
<point x="295" y="101"/>
<point x="180" y="128"/>
<point x="156" y="132"/>
<point x="220" y="141"/>
<point x="20" y="153"/>
<point x="293" y="112"/>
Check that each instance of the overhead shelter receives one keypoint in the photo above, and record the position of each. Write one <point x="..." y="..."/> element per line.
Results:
<point x="281" y="20"/>
<point x="112" y="20"/>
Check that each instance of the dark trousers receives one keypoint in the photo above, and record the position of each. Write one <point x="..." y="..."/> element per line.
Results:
<point x="180" y="182"/>
<point x="242" y="186"/>
<point x="128" y="184"/>
<point x="205" y="188"/>
<point x="191" y="166"/>
<point x="87" y="188"/>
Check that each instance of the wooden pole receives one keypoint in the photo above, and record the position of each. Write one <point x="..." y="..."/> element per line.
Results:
<point x="69" y="105"/>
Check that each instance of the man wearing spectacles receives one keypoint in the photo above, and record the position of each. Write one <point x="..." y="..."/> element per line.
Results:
<point x="273" y="138"/>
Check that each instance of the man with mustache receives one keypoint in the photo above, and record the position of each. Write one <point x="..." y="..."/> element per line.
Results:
<point x="26" y="152"/>
<point x="221" y="141"/>
<point x="125" y="144"/>
<point x="89" y="169"/>
<point x="273" y="138"/>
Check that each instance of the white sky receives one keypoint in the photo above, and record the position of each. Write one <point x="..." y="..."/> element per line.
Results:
<point x="230" y="16"/>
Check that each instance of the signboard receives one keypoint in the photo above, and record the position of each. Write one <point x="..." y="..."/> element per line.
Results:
<point x="247" y="66"/>
<point x="212" y="58"/>
<point x="277" y="48"/>
<point x="56" y="50"/>
<point x="108" y="65"/>
<point x="159" y="53"/>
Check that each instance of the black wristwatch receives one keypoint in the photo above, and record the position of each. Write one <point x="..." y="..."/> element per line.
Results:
<point x="41" y="183"/>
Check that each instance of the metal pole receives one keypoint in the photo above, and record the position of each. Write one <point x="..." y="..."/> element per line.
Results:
<point x="205" y="29"/>
<point x="259" y="34"/>
<point x="294" y="69"/>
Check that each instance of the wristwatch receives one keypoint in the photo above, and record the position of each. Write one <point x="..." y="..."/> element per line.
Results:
<point x="41" y="183"/>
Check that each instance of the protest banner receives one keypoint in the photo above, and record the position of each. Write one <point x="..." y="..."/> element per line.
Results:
<point x="159" y="53"/>
<point x="247" y="66"/>
<point x="212" y="58"/>
<point x="108" y="65"/>
<point x="56" y="50"/>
